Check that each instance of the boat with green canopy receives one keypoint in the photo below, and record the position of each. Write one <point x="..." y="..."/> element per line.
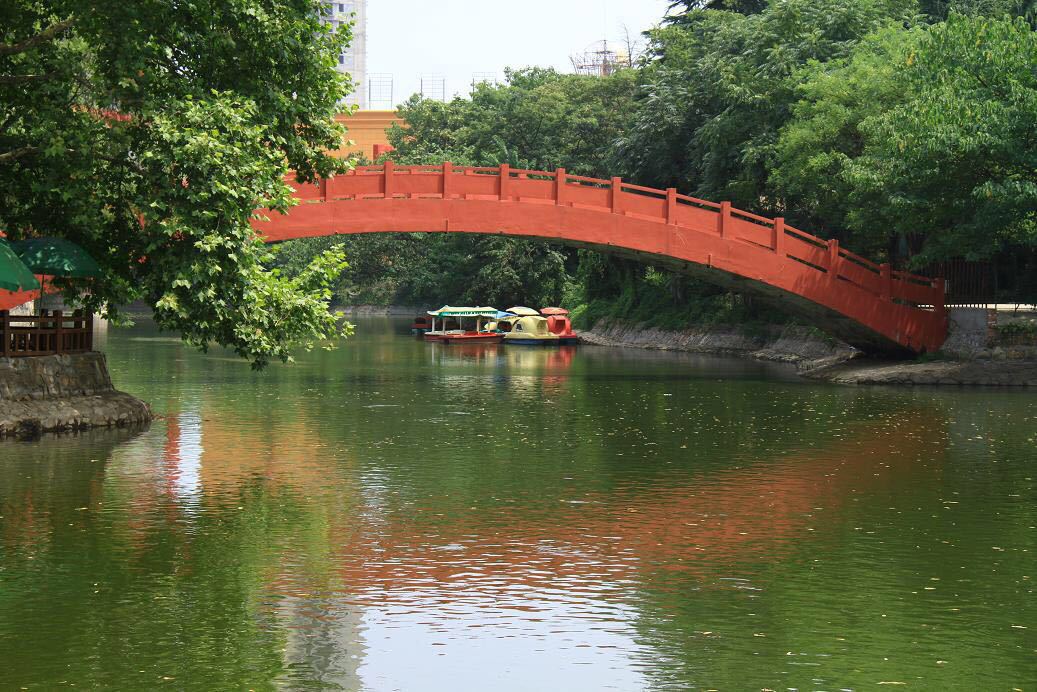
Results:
<point x="466" y="317"/>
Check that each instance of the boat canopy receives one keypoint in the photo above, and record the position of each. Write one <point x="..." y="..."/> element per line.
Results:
<point x="503" y="315"/>
<point x="554" y="311"/>
<point x="449" y="311"/>
<point x="523" y="311"/>
<point x="533" y="325"/>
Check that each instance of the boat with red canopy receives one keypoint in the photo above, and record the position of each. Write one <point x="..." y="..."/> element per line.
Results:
<point x="549" y="327"/>
<point x="558" y="323"/>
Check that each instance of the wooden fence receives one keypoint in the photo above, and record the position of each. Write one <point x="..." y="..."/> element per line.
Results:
<point x="46" y="334"/>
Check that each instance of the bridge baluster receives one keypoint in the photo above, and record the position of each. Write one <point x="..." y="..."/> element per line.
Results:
<point x="505" y="178"/>
<point x="560" y="187"/>
<point x="671" y="206"/>
<point x="617" y="191"/>
<point x="725" y="214"/>
<point x="834" y="260"/>
<point x="448" y="170"/>
<point x="387" y="183"/>
<point x="778" y="237"/>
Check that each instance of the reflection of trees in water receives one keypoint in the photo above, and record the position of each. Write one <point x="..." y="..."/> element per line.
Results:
<point x="44" y="483"/>
<point x="104" y="553"/>
<point x="591" y="483"/>
<point x="689" y="525"/>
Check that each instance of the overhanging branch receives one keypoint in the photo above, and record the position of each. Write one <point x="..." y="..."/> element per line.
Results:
<point x="46" y="35"/>
<point x="18" y="78"/>
<point x="15" y="153"/>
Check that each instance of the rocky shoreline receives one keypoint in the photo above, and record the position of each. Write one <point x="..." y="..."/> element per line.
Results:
<point x="969" y="360"/>
<point x="63" y="393"/>
<point x="381" y="310"/>
<point x="983" y="373"/>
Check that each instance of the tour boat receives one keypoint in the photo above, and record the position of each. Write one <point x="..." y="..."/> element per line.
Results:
<point x="463" y="315"/>
<point x="551" y="327"/>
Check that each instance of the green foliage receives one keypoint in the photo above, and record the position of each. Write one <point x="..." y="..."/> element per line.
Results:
<point x="739" y="6"/>
<point x="939" y="10"/>
<point x="148" y="132"/>
<point x="436" y="269"/>
<point x="721" y="85"/>
<point x="954" y="163"/>
<point x="538" y="119"/>
<point x="818" y="146"/>
<point x="655" y="298"/>
<point x="1019" y="331"/>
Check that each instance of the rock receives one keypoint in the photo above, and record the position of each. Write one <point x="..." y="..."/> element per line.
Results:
<point x="57" y="393"/>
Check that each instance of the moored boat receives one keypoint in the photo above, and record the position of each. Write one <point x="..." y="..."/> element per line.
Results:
<point x="465" y="317"/>
<point x="558" y="322"/>
<point x="550" y="327"/>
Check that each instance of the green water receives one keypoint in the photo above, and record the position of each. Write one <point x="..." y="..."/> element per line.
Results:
<point x="398" y="515"/>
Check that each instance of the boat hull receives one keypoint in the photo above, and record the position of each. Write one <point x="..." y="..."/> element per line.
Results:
<point x="470" y="338"/>
<point x="525" y="339"/>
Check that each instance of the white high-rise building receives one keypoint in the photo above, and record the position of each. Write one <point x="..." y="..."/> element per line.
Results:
<point x="353" y="60"/>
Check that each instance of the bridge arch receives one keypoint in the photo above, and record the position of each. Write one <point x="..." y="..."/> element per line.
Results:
<point x="868" y="305"/>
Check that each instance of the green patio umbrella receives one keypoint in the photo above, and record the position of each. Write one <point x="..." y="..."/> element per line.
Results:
<point x="14" y="275"/>
<point x="56" y="257"/>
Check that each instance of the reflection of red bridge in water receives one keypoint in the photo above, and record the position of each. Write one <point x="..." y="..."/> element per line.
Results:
<point x="760" y="513"/>
<point x="866" y="304"/>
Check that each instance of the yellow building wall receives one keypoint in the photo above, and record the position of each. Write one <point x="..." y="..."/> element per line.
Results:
<point x="366" y="129"/>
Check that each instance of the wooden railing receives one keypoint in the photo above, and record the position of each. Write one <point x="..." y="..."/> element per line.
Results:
<point x="46" y="334"/>
<point x="560" y="188"/>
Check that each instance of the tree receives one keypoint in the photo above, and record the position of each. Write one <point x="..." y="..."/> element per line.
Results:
<point x="537" y="119"/>
<point x="149" y="131"/>
<point x="721" y="85"/>
<point x="739" y="6"/>
<point x="825" y="135"/>
<point x="955" y="163"/>
<point x="939" y="10"/>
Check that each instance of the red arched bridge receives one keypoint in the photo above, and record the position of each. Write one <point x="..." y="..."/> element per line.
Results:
<point x="867" y="305"/>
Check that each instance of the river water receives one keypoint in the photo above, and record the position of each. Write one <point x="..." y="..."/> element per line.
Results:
<point x="396" y="515"/>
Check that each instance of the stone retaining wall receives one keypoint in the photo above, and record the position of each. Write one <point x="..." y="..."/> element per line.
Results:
<point x="789" y="344"/>
<point x="58" y="393"/>
<point x="972" y="361"/>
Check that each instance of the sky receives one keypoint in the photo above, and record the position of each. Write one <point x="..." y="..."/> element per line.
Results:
<point x="458" y="38"/>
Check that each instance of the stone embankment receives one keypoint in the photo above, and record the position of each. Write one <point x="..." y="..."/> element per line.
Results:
<point x="382" y="310"/>
<point x="972" y="355"/>
<point x="988" y="373"/>
<point x="788" y="344"/>
<point x="63" y="393"/>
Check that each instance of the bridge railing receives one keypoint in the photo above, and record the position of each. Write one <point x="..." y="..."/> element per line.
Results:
<point x="503" y="183"/>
